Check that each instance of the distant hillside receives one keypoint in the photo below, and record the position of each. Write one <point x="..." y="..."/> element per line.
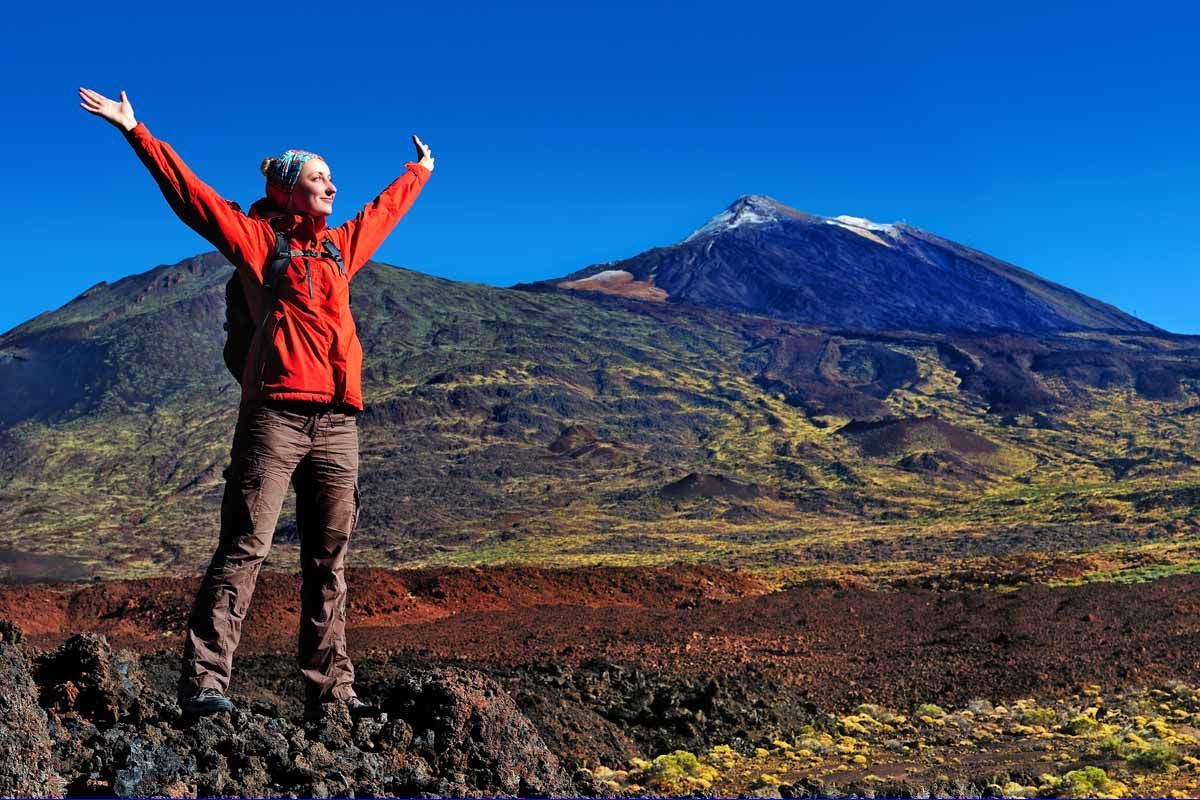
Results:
<point x="761" y="257"/>
<point x="561" y="429"/>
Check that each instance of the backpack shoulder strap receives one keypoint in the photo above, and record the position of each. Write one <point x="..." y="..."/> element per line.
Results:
<point x="334" y="253"/>
<point x="271" y="275"/>
<point x="278" y="263"/>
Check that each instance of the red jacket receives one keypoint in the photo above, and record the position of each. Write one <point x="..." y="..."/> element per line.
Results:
<point x="312" y="348"/>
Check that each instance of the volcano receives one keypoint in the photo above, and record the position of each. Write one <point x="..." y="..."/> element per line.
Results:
<point x="759" y="256"/>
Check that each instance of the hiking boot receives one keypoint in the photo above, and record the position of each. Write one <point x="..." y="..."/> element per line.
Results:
<point x="361" y="708"/>
<point x="355" y="705"/>
<point x="206" y="701"/>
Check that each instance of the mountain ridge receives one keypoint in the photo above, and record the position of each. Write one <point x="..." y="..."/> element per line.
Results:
<point x="760" y="256"/>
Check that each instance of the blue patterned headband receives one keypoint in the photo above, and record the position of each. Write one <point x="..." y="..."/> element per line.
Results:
<point x="284" y="171"/>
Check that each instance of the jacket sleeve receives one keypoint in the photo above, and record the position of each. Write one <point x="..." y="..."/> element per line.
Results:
<point x="358" y="238"/>
<point x="246" y="242"/>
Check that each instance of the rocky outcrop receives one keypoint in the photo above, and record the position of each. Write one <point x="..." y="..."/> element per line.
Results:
<point x="86" y="677"/>
<point x="108" y="729"/>
<point x="25" y="750"/>
<point x="465" y="726"/>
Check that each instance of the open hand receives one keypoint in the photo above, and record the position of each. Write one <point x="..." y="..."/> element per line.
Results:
<point x="426" y="157"/>
<point x="119" y="114"/>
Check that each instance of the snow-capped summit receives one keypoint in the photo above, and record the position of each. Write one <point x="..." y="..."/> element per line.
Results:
<point x="762" y="257"/>
<point x="758" y="209"/>
<point x="749" y="209"/>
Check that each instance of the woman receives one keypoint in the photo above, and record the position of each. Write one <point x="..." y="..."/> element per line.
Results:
<point x="301" y="390"/>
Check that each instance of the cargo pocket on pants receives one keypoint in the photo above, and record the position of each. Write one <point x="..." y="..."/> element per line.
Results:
<point x="357" y="508"/>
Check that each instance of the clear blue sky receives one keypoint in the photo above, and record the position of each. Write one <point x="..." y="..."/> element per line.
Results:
<point x="1062" y="137"/>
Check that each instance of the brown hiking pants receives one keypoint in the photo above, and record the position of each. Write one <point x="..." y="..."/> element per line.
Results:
<point x="316" y="449"/>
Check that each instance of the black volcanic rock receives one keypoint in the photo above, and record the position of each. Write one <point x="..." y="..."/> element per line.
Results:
<point x="762" y="257"/>
<point x="462" y="723"/>
<point x="25" y="749"/>
<point x="86" y="677"/>
<point x="453" y="732"/>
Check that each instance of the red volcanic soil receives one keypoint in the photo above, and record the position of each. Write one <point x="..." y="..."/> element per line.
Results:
<point x="844" y="644"/>
<point x="618" y="282"/>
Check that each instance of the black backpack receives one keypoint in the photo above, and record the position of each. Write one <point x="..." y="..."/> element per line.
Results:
<point x="240" y="326"/>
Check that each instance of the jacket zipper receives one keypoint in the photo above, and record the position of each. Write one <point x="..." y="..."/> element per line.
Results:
<point x="308" y="277"/>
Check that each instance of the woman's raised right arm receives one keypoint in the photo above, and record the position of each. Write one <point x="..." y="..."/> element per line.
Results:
<point x="247" y="243"/>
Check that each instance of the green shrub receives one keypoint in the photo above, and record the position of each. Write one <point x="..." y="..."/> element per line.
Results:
<point x="1038" y="716"/>
<point x="1154" y="757"/>
<point x="930" y="710"/>
<point x="679" y="771"/>
<point x="1085" y="782"/>
<point x="1110" y="746"/>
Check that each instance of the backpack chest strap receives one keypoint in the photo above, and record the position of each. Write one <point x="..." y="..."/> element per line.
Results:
<point x="284" y="254"/>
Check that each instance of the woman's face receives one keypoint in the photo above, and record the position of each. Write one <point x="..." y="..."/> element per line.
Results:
<point x="314" y="189"/>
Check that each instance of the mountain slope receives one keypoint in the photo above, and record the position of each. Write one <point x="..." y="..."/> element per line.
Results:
<point x="761" y="257"/>
<point x="512" y="426"/>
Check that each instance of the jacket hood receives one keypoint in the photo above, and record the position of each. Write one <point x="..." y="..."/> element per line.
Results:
<point x="299" y="226"/>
